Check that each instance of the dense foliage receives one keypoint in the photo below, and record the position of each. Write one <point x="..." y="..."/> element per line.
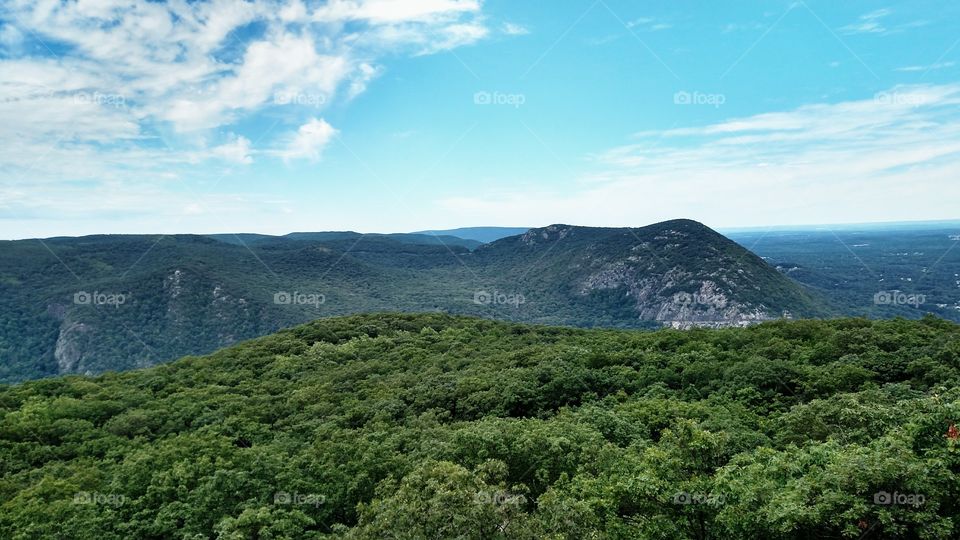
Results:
<point x="193" y="294"/>
<point x="431" y="426"/>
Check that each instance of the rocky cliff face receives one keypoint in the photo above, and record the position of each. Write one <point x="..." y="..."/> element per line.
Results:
<point x="190" y="312"/>
<point x="71" y="346"/>
<point x="675" y="297"/>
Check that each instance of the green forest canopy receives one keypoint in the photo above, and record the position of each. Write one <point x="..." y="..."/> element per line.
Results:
<point x="432" y="426"/>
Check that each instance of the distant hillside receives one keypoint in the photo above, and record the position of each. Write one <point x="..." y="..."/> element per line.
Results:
<point x="871" y="272"/>
<point x="430" y="426"/>
<point x="480" y="234"/>
<point x="403" y="238"/>
<point x="98" y="303"/>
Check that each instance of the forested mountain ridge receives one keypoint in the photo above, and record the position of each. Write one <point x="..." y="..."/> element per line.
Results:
<point x="113" y="302"/>
<point x="453" y="427"/>
<point x="403" y="238"/>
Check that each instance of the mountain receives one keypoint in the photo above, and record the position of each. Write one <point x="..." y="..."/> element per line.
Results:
<point x="483" y="235"/>
<point x="677" y="272"/>
<point x="433" y="426"/>
<point x="98" y="303"/>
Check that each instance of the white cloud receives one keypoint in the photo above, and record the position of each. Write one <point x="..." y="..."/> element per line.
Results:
<point x="640" y="21"/>
<point x="394" y="11"/>
<point x="362" y="77"/>
<point x="738" y="27"/>
<point x="309" y="141"/>
<point x="893" y="156"/>
<point x="287" y="61"/>
<point x="868" y="23"/>
<point x="10" y="36"/>
<point x="648" y="24"/>
<point x="423" y="40"/>
<point x="236" y="151"/>
<point x="931" y="67"/>
<point x="513" y="29"/>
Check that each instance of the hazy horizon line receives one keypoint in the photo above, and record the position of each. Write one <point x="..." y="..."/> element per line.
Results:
<point x="915" y="224"/>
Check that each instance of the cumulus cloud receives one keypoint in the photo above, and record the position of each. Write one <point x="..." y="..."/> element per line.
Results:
<point x="236" y="151"/>
<point x="309" y="141"/>
<point x="286" y="62"/>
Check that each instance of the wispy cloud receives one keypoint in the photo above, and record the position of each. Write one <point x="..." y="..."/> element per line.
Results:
<point x="892" y="156"/>
<point x="648" y="24"/>
<point x="876" y="22"/>
<point x="931" y="67"/>
<point x="640" y="24"/>
<point x="870" y="23"/>
<point x="739" y="27"/>
<point x="513" y="29"/>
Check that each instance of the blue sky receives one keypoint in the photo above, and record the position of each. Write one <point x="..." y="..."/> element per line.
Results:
<point x="387" y="115"/>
